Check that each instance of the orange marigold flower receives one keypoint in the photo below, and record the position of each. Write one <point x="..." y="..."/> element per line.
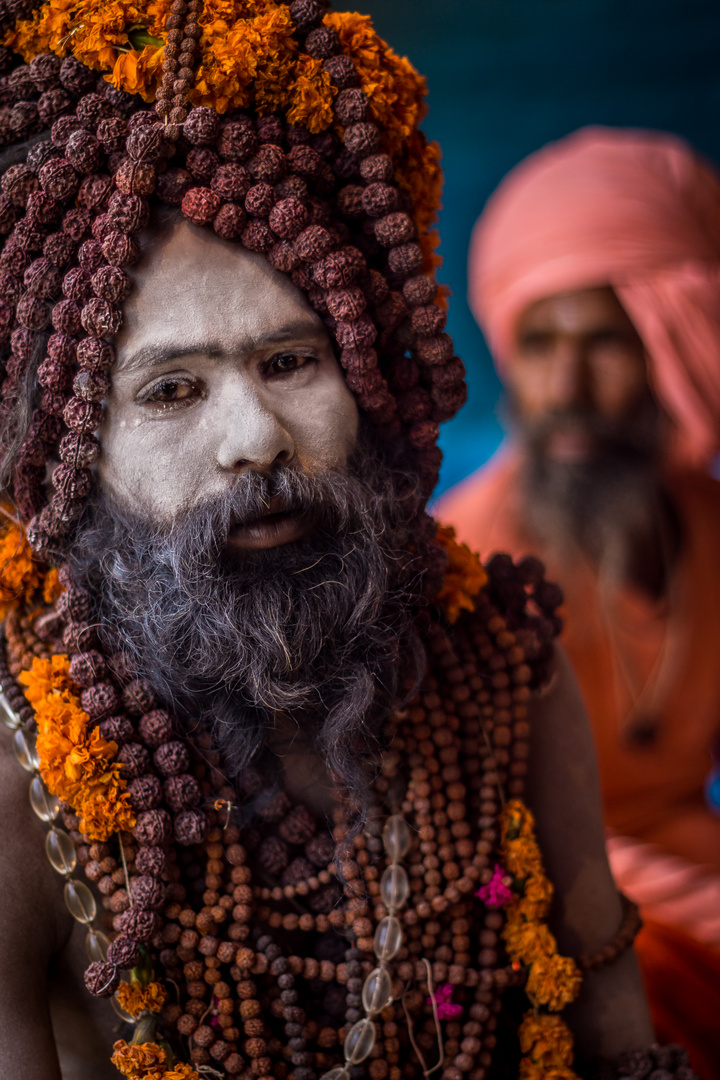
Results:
<point x="257" y="47"/>
<point x="528" y="1071"/>
<point x="554" y="981"/>
<point x="535" y="901"/>
<point x="139" y="72"/>
<point x="311" y="96"/>
<point x="45" y="676"/>
<point x="76" y="762"/>
<point x="546" y="1039"/>
<point x="52" y="589"/>
<point x="21" y="575"/>
<point x="136" y="998"/>
<point x="181" y="1071"/>
<point x="154" y="16"/>
<point x="396" y="91"/>
<point x="106" y="812"/>
<point x="272" y="85"/>
<point x="464" y="577"/>
<point x="517" y="820"/>
<point x="36" y="34"/>
<point x="419" y="173"/>
<point x="527" y="941"/>
<point x="522" y="857"/>
<point x="66" y="742"/>
<point x="137" y="1060"/>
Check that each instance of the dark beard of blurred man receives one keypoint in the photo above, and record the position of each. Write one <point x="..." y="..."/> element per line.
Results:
<point x="611" y="506"/>
<point x="320" y="630"/>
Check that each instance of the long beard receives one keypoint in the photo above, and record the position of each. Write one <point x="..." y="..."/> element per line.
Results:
<point x="598" y="507"/>
<point x="320" y="630"/>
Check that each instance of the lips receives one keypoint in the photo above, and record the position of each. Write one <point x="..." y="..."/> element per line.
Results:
<point x="275" y="527"/>
<point x="570" y="445"/>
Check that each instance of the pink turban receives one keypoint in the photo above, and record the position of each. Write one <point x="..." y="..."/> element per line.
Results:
<point x="639" y="211"/>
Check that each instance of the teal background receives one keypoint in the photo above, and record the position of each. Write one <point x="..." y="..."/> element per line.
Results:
<point x="507" y="76"/>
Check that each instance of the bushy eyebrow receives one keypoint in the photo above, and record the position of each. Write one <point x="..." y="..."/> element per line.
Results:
<point x="148" y="357"/>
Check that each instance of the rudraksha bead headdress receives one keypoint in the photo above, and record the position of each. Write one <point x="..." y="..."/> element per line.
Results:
<point x="288" y="128"/>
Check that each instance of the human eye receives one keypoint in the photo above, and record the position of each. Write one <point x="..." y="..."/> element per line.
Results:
<point x="171" y="392"/>
<point x="611" y="338"/>
<point x="535" y="343"/>
<point x="286" y="363"/>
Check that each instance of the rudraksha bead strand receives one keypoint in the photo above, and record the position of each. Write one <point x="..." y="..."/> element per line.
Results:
<point x="211" y="948"/>
<point x="183" y="33"/>
<point x="340" y="277"/>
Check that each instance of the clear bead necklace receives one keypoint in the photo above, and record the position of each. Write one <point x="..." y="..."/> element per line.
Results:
<point x="388" y="940"/>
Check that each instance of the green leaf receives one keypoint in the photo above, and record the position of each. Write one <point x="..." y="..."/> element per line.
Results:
<point x="139" y="37"/>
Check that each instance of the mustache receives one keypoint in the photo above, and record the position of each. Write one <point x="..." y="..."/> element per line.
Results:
<point x="586" y="420"/>
<point x="322" y="630"/>
<point x="286" y="489"/>
<point x="637" y="436"/>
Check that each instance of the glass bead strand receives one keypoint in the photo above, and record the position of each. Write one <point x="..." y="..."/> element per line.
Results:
<point x="377" y="988"/>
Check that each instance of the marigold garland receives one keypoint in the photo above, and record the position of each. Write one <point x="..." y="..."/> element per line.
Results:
<point x="76" y="762"/>
<point x="547" y="1047"/>
<point x="553" y="980"/>
<point x="396" y="92"/>
<point x="250" y="58"/>
<point x="136" y="998"/>
<point x="464" y="578"/>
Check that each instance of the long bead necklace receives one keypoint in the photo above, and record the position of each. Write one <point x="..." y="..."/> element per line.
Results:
<point x="459" y="743"/>
<point x="377" y="988"/>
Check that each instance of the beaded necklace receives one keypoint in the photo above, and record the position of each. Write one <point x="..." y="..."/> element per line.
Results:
<point x="405" y="926"/>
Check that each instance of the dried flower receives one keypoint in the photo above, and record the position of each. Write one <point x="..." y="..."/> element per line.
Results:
<point x="21" y="575"/>
<point x="136" y="998"/>
<point x="464" y="577"/>
<point x="547" y="1046"/>
<point x="181" y="1071"/>
<point x="553" y="980"/>
<point x="52" y="589"/>
<point x="446" y="1008"/>
<point x="139" y="1061"/>
<point x="497" y="892"/>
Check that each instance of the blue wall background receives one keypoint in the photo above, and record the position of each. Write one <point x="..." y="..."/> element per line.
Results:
<point x="507" y="76"/>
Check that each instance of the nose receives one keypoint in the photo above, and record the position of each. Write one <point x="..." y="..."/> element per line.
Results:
<point x="571" y="384"/>
<point x="251" y="435"/>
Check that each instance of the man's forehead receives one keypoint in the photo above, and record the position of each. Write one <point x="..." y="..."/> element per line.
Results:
<point x="575" y="310"/>
<point x="193" y="291"/>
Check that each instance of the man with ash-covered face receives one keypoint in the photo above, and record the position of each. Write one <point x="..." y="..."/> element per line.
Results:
<point x="247" y="540"/>
<point x="285" y="735"/>
<point x="594" y="273"/>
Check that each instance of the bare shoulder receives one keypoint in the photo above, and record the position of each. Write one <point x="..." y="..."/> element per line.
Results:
<point x="610" y="1015"/>
<point x="50" y="1026"/>
<point x="33" y="927"/>
<point x="30" y="890"/>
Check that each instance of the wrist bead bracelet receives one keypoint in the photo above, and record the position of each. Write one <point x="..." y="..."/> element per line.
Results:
<point x="656" y="1063"/>
<point x="608" y="954"/>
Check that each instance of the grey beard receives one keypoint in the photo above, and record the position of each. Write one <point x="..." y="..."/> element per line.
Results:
<point x="598" y="507"/>
<point x="321" y="630"/>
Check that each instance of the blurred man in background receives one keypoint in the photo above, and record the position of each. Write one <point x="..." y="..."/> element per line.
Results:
<point x="595" y="275"/>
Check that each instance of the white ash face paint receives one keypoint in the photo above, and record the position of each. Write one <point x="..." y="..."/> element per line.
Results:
<point x="222" y="366"/>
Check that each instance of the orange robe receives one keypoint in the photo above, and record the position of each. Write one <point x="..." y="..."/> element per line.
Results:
<point x="636" y="659"/>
